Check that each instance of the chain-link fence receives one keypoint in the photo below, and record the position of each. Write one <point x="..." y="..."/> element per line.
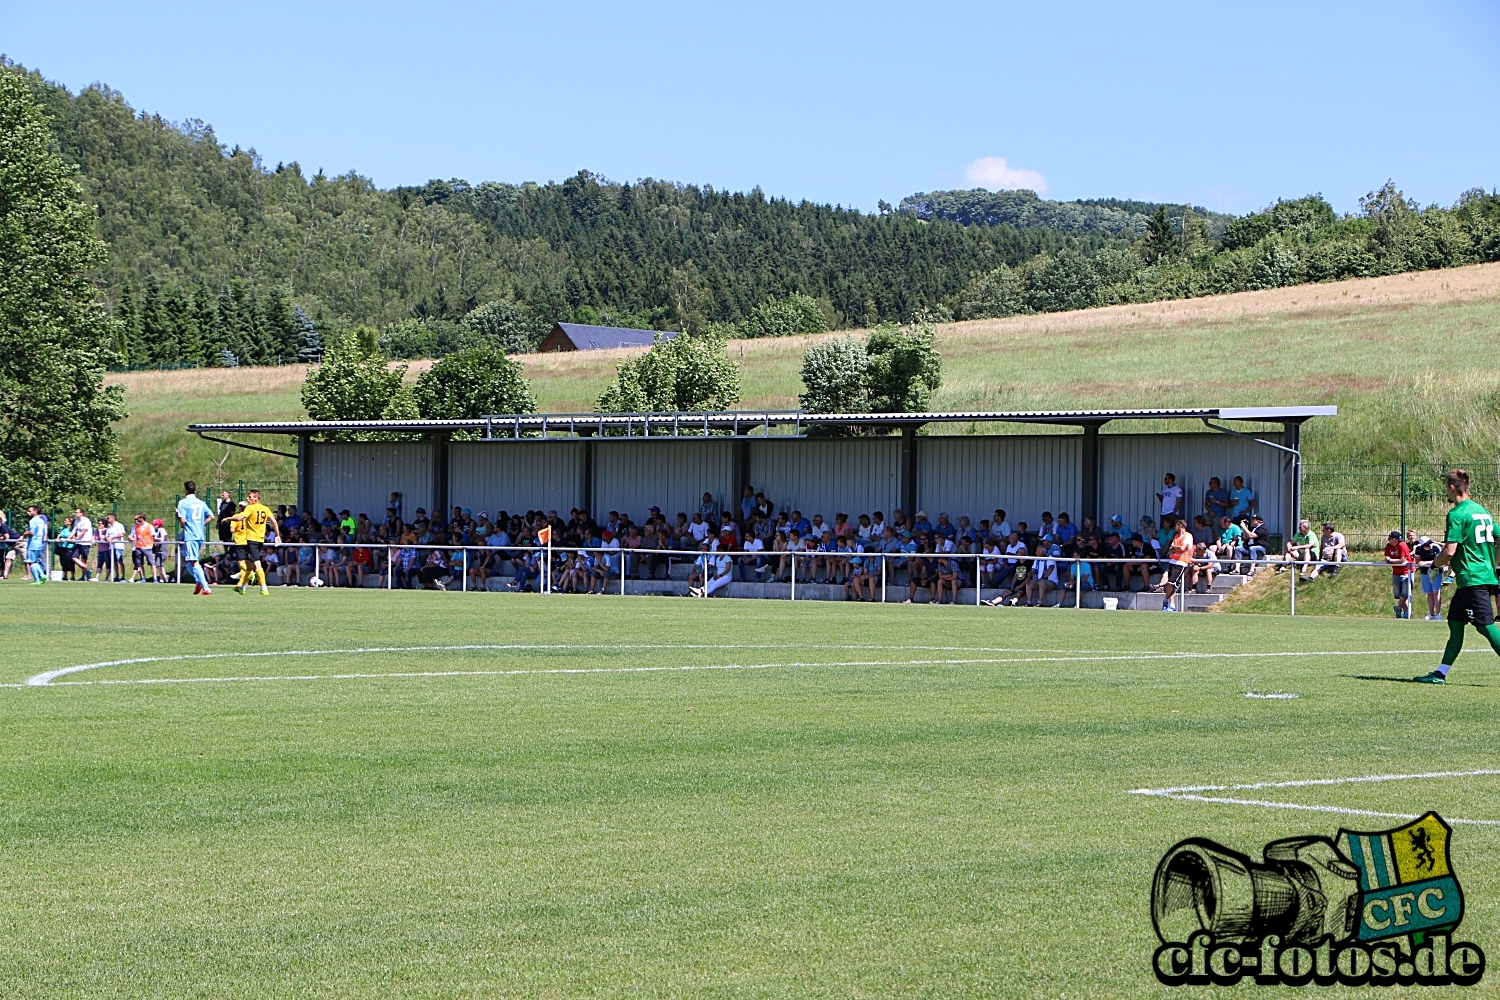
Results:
<point x="272" y="493"/>
<point x="1367" y="502"/>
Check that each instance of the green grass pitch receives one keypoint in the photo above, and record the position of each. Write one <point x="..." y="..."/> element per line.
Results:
<point x="870" y="802"/>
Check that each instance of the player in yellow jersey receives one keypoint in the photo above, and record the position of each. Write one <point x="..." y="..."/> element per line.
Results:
<point x="252" y="523"/>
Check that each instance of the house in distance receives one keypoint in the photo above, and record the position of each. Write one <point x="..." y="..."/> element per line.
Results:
<point x="581" y="337"/>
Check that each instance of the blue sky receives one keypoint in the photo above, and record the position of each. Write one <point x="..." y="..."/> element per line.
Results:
<point x="1228" y="105"/>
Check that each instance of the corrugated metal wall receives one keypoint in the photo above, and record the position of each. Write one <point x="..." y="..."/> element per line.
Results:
<point x="958" y="474"/>
<point x="515" y="476"/>
<point x="362" y="476"/>
<point x="850" y="476"/>
<point x="633" y="476"/>
<point x="1131" y="467"/>
<point x="1022" y="475"/>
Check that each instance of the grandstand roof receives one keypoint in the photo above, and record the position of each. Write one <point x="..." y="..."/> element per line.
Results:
<point x="745" y="423"/>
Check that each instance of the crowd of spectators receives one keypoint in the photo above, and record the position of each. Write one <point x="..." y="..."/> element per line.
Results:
<point x="752" y="540"/>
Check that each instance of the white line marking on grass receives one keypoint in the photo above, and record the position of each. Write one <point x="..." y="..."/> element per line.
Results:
<point x="1274" y="696"/>
<point x="45" y="678"/>
<point x="1188" y="793"/>
<point x="49" y="678"/>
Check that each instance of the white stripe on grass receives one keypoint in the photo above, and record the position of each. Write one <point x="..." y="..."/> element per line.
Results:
<point x="1189" y="793"/>
<point x="48" y="678"/>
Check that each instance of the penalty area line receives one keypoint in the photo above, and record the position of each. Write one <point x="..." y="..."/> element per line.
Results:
<point x="1190" y="793"/>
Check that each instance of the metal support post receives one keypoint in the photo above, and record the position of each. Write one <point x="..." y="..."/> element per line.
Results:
<point x="464" y="588"/>
<point x="883" y="557"/>
<point x="794" y="574"/>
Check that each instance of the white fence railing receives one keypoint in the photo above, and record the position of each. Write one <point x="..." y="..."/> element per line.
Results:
<point x="604" y="565"/>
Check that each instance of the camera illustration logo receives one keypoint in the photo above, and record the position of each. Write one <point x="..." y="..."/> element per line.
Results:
<point x="1377" y="908"/>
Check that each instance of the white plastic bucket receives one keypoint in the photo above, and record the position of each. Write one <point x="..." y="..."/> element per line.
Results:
<point x="55" y="576"/>
<point x="1111" y="603"/>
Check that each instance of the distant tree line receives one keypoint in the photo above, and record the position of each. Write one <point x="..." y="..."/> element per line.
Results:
<point x="212" y="253"/>
<point x="1289" y="243"/>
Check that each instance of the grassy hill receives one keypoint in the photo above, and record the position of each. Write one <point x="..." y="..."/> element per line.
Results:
<point x="1410" y="360"/>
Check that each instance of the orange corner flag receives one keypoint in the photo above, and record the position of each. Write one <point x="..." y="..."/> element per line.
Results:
<point x="545" y="535"/>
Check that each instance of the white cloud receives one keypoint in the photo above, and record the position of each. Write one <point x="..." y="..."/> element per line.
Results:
<point x="994" y="173"/>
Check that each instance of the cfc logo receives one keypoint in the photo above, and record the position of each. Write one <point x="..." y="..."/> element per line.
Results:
<point x="1376" y="908"/>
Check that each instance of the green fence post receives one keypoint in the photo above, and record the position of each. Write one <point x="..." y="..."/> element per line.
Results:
<point x="241" y="497"/>
<point x="1403" y="499"/>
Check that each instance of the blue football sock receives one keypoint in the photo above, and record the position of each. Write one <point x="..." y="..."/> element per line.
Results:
<point x="198" y="576"/>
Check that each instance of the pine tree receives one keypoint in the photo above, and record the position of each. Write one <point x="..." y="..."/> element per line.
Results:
<point x="185" y="324"/>
<point x="312" y="341"/>
<point x="56" y="442"/>
<point x="281" y="325"/>
<point x="158" y="330"/>
<point x="127" y="335"/>
<point x="210" y="328"/>
<point x="232" y="321"/>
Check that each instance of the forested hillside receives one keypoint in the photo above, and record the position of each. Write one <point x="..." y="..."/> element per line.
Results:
<point x="217" y="258"/>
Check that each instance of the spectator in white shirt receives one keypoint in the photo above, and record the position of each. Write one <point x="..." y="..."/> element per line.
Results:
<point x="1171" y="499"/>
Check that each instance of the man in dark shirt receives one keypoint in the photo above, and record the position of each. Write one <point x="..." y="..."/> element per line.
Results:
<point x="1111" y="575"/>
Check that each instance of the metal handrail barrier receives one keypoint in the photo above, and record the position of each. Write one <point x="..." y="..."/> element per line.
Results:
<point x="1066" y="566"/>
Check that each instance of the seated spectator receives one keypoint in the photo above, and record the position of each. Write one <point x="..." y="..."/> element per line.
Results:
<point x="922" y="525"/>
<point x="1301" y="551"/>
<point x="1333" y="550"/>
<point x="435" y="571"/>
<point x="863" y="570"/>
<point x="754" y="564"/>
<point x="709" y="509"/>
<point x="1042" y="579"/>
<point x="999" y="526"/>
<point x="360" y="562"/>
<point x="1047" y="530"/>
<point x="920" y="573"/>
<point x="1090" y="530"/>
<point x="1202" y="533"/>
<point x="794" y="545"/>
<point x="1142" y="562"/>
<point x="1231" y="545"/>
<point x="1257" y="541"/>
<point x="1204" y="568"/>
<point x="1111" y="575"/>
<point x="946" y="577"/>
<point x="1078" y="576"/>
<point x="1066" y="531"/>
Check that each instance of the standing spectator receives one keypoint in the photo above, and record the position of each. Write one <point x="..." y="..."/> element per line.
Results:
<point x="1241" y="499"/>
<point x="83" y="538"/>
<point x="1171" y="499"/>
<point x="141" y="540"/>
<point x="1215" y="501"/>
<point x="747" y="503"/>
<point x="1179" y="558"/>
<point x="115" y="532"/>
<point x="1398" y="555"/>
<point x="9" y="539"/>
<point x="1425" y="551"/>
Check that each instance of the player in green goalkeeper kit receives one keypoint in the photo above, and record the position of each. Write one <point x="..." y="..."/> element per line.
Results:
<point x="1470" y="550"/>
